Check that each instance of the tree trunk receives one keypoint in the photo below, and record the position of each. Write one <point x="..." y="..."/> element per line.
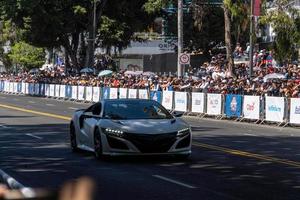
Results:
<point x="228" y="41"/>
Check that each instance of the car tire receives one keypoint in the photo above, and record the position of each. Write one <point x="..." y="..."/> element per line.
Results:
<point x="73" y="140"/>
<point x="98" y="150"/>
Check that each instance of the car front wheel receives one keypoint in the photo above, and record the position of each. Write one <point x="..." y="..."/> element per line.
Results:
<point x="73" y="140"/>
<point x="98" y="144"/>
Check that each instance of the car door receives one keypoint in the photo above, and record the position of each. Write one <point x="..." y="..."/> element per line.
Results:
<point x="88" y="122"/>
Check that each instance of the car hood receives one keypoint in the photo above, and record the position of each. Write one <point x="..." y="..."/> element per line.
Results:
<point x="147" y="126"/>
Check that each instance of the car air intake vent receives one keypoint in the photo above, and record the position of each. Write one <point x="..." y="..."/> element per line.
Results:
<point x="152" y="143"/>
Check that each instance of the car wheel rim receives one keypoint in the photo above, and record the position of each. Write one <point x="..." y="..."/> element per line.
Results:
<point x="98" y="147"/>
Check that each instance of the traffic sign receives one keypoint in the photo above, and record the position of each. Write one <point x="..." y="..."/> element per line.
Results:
<point x="184" y="59"/>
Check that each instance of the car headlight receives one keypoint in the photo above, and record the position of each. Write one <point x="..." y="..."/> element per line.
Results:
<point x="183" y="132"/>
<point x="113" y="132"/>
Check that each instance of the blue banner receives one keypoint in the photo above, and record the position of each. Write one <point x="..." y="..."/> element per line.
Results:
<point x="105" y="93"/>
<point x="68" y="91"/>
<point x="42" y="90"/>
<point x="19" y="87"/>
<point x="156" y="95"/>
<point x="233" y="105"/>
<point x="31" y="88"/>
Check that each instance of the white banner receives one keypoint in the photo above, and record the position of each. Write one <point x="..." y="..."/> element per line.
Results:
<point x="74" y="92"/>
<point x="132" y="94"/>
<point x="26" y="88"/>
<point x="275" y="109"/>
<point x="89" y="93"/>
<point x="167" y="100"/>
<point x="113" y="93"/>
<point x="214" y="104"/>
<point x="52" y="90"/>
<point x="143" y="94"/>
<point x="62" y="91"/>
<point x="251" y="107"/>
<point x="47" y="90"/>
<point x="197" y="102"/>
<point x="123" y="93"/>
<point x="181" y="101"/>
<point x="15" y="87"/>
<point x="23" y="88"/>
<point x="57" y="94"/>
<point x="6" y="86"/>
<point x="81" y="93"/>
<point x="96" y="94"/>
<point x="11" y="87"/>
<point x="295" y="111"/>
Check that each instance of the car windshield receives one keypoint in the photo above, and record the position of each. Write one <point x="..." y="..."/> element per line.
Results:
<point x="126" y="110"/>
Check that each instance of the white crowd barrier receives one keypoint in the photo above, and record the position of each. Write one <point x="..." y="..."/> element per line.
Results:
<point x="251" y="107"/>
<point x="272" y="109"/>
<point x="275" y="109"/>
<point x="214" y="104"/>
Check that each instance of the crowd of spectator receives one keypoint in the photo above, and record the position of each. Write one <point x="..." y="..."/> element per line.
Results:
<point x="211" y="77"/>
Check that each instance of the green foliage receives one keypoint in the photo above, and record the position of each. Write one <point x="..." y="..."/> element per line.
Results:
<point x="284" y="20"/>
<point x="27" y="56"/>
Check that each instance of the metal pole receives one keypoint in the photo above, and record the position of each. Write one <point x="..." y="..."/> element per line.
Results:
<point x="251" y="40"/>
<point x="180" y="36"/>
<point x="94" y="32"/>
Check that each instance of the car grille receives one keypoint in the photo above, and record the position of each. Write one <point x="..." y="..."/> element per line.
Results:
<point x="152" y="143"/>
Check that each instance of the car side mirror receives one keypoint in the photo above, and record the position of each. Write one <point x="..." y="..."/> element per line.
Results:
<point x="177" y="114"/>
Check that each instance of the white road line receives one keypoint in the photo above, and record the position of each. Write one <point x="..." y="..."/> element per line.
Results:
<point x="48" y="104"/>
<point x="31" y="102"/>
<point x="34" y="136"/>
<point x="174" y="181"/>
<point x="72" y="108"/>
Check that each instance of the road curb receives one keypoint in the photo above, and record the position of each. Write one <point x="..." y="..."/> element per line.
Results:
<point x="10" y="181"/>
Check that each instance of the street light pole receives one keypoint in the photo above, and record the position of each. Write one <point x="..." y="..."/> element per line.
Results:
<point x="94" y="31"/>
<point x="251" y="40"/>
<point x="180" y="36"/>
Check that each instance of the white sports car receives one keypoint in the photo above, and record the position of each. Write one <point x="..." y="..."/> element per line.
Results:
<point x="129" y="127"/>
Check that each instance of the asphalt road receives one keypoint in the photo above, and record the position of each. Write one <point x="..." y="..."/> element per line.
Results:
<point x="229" y="161"/>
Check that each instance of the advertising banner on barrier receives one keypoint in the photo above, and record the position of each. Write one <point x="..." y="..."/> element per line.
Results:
<point x="143" y="94"/>
<point x="81" y="93"/>
<point x="62" y="91"/>
<point x="74" y="92"/>
<point x="197" y="102"/>
<point x="156" y="96"/>
<point x="89" y="93"/>
<point x="37" y="89"/>
<point x="68" y="91"/>
<point x="19" y="87"/>
<point x="233" y="105"/>
<point x="47" y="90"/>
<point x="181" y="101"/>
<point x="112" y="93"/>
<point x="31" y="88"/>
<point x="275" y="109"/>
<point x="11" y="87"/>
<point x="15" y="85"/>
<point x="132" y="94"/>
<point x="167" y="100"/>
<point x="23" y="90"/>
<point x="295" y="111"/>
<point x="1" y="86"/>
<point x="123" y="93"/>
<point x="26" y="88"/>
<point x="96" y="94"/>
<point x="251" y="107"/>
<point x="52" y="90"/>
<point x="214" y="104"/>
<point x="57" y="94"/>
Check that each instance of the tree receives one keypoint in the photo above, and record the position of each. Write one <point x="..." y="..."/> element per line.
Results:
<point x="284" y="20"/>
<point x="27" y="56"/>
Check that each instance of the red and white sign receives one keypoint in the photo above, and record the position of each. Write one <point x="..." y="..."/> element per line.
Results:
<point x="251" y="107"/>
<point x="184" y="59"/>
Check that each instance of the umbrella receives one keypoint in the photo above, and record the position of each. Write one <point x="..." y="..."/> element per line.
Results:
<point x="105" y="73"/>
<point x="133" y="73"/>
<point x="273" y="76"/>
<point x="149" y="74"/>
<point x="87" y="70"/>
<point x="34" y="71"/>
